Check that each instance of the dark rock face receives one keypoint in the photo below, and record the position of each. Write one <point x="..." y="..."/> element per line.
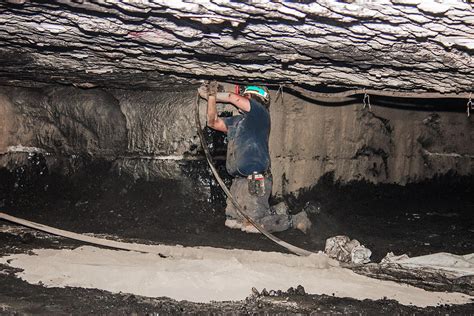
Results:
<point x="63" y="120"/>
<point x="162" y="132"/>
<point x="146" y="133"/>
<point x="383" y="145"/>
<point x="91" y="121"/>
<point x="152" y="134"/>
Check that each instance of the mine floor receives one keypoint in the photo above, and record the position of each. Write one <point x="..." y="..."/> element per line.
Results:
<point x="430" y="217"/>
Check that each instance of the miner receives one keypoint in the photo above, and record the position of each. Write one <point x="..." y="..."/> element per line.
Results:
<point x="248" y="159"/>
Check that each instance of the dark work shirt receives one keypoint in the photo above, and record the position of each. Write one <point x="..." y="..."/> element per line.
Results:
<point x="247" y="135"/>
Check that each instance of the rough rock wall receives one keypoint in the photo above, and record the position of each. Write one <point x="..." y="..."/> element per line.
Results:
<point x="161" y="131"/>
<point x="159" y="122"/>
<point x="62" y="120"/>
<point x="146" y="133"/>
<point x="384" y="145"/>
<point x="152" y="133"/>
<point x="7" y="122"/>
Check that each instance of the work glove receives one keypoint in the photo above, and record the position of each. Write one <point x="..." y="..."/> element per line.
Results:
<point x="203" y="91"/>
<point x="209" y="88"/>
<point x="212" y="88"/>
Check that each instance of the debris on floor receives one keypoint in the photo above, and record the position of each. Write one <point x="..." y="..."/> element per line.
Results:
<point x="343" y="249"/>
<point x="447" y="263"/>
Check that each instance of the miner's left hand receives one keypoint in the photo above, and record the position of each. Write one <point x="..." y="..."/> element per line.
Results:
<point x="203" y="91"/>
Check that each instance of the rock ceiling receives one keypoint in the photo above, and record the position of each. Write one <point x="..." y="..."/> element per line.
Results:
<point x="402" y="45"/>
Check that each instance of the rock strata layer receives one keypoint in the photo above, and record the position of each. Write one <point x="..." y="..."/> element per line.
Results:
<point x="397" y="45"/>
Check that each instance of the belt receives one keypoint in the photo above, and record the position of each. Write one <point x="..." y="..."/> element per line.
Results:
<point x="266" y="174"/>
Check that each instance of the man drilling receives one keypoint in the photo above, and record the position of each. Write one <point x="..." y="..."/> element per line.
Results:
<point x="248" y="159"/>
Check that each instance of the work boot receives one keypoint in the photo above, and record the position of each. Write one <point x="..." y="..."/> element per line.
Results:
<point x="301" y="222"/>
<point x="279" y="209"/>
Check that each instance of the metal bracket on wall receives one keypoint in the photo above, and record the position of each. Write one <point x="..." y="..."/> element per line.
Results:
<point x="279" y="93"/>
<point x="366" y="101"/>
<point x="470" y="105"/>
